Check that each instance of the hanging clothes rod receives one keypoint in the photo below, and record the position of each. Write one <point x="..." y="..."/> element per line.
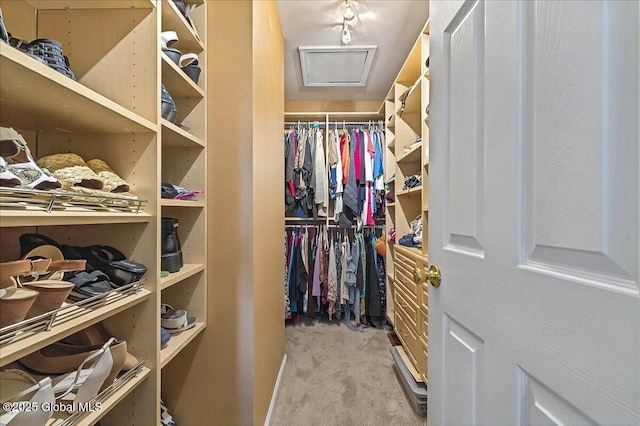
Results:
<point x="344" y="123"/>
<point x="307" y="225"/>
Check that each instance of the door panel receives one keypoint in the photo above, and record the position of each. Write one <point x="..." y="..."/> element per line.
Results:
<point x="464" y="140"/>
<point x="537" y="318"/>
<point x="463" y="366"/>
<point x="576" y="144"/>
<point x="540" y="406"/>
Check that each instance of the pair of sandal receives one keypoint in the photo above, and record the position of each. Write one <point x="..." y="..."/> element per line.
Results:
<point x="17" y="166"/>
<point x="71" y="170"/>
<point x="106" y="267"/>
<point x="188" y="62"/>
<point x="174" y="321"/>
<point x="85" y="373"/>
<point x="34" y="286"/>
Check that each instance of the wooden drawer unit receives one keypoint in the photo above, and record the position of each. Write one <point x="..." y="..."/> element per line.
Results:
<point x="409" y="308"/>
<point x="423" y="324"/>
<point x="407" y="336"/>
<point x="406" y="280"/>
<point x="422" y="357"/>
<point x="424" y="297"/>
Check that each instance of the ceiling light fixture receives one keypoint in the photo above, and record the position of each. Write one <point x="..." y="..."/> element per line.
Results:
<point x="349" y="13"/>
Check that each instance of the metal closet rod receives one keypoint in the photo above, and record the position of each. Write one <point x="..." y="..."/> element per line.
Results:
<point x="307" y="225"/>
<point x="344" y="123"/>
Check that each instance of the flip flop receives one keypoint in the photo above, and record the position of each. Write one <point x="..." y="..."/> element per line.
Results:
<point x="89" y="284"/>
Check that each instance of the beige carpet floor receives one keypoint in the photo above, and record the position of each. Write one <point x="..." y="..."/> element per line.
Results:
<point x="335" y="376"/>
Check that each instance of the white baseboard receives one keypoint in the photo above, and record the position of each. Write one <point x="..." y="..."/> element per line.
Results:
<point x="276" y="391"/>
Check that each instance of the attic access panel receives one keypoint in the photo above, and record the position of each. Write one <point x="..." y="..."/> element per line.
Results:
<point x="336" y="66"/>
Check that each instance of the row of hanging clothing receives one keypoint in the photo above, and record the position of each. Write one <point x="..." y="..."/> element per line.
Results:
<point x="335" y="273"/>
<point x="354" y="179"/>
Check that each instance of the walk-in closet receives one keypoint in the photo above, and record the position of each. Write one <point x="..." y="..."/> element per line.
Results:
<point x="276" y="212"/>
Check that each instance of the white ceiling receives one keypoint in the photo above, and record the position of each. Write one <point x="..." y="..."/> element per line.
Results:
<point x="392" y="25"/>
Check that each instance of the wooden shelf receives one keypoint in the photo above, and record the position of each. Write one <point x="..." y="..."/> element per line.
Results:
<point x="187" y="270"/>
<point x="406" y="192"/>
<point x="90" y="4"/>
<point x="391" y="122"/>
<point x="73" y="320"/>
<point x="391" y="141"/>
<point x="68" y="105"/>
<point x="91" y="417"/>
<point x="27" y="217"/>
<point x="412" y="67"/>
<point x="413" y="100"/>
<point x="172" y="20"/>
<point x="391" y="204"/>
<point x="412" y="156"/>
<point x="182" y="203"/>
<point x="178" y="342"/>
<point x="173" y="135"/>
<point x="178" y="84"/>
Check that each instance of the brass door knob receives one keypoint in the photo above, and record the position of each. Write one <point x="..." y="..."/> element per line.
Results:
<point x="421" y="275"/>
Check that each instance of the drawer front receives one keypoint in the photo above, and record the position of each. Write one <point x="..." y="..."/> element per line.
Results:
<point x="403" y="300"/>
<point x="406" y="280"/>
<point x="408" y="339"/>
<point x="423" y="325"/>
<point x="401" y="268"/>
<point x="405" y="263"/>
<point x="424" y="297"/>
<point x="411" y="255"/>
<point x="423" y="359"/>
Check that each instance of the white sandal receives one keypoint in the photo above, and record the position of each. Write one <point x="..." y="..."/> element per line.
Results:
<point x="20" y="162"/>
<point x="17" y="385"/>
<point x="168" y="39"/>
<point x="175" y="320"/>
<point x="86" y="382"/>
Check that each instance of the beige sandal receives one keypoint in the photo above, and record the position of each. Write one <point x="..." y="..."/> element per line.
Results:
<point x="71" y="170"/>
<point x="112" y="182"/>
<point x="52" y="291"/>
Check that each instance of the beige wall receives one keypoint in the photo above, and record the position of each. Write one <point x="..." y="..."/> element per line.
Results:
<point x="268" y="201"/>
<point x="332" y="106"/>
<point x="234" y="365"/>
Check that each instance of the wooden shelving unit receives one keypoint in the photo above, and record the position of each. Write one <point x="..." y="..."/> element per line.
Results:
<point x="72" y="321"/>
<point x="112" y="112"/>
<point x="405" y="105"/>
<point x="68" y="105"/>
<point x="111" y="401"/>
<point x="185" y="272"/>
<point x="179" y="342"/>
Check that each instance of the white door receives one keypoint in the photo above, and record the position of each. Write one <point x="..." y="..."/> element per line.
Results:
<point x="534" y="213"/>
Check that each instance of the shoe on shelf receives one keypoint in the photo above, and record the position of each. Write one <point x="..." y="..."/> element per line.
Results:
<point x="171" y="250"/>
<point x="71" y="170"/>
<point x="20" y="162"/>
<point x="7" y="178"/>
<point x="175" y="320"/>
<point x="112" y="182"/>
<point x="18" y="386"/>
<point x="165" y="418"/>
<point x="98" y="334"/>
<point x="168" y="111"/>
<point x="165" y="336"/>
<point x="15" y="303"/>
<point x="61" y="358"/>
